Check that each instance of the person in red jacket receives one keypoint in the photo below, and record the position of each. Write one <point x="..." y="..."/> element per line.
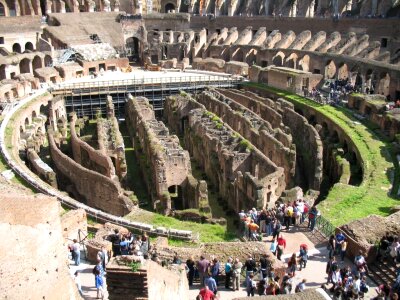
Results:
<point x="281" y="246"/>
<point x="206" y="294"/>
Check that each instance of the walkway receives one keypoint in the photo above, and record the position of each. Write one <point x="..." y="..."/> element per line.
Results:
<point x="314" y="272"/>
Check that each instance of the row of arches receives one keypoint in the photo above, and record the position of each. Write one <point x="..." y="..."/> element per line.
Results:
<point x="27" y="65"/>
<point x="28" y="47"/>
<point x="369" y="80"/>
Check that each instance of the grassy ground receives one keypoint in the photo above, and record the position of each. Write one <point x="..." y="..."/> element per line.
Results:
<point x="345" y="203"/>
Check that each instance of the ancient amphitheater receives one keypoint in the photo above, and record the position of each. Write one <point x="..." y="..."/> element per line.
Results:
<point x="169" y="117"/>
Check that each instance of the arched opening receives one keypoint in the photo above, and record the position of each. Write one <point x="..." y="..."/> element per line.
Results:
<point x="343" y="72"/>
<point x="3" y="72"/>
<point x="330" y="70"/>
<point x="312" y="120"/>
<point x="384" y="82"/>
<point x="299" y="111"/>
<point x="251" y="57"/>
<point x="304" y="63"/>
<point x="36" y="63"/>
<point x="133" y="49"/>
<point x="345" y="147"/>
<point x="43" y="7"/>
<point x="21" y="129"/>
<point x="358" y="82"/>
<point x="29" y="47"/>
<point x="238" y="55"/>
<point x="34" y="115"/>
<point x="24" y="66"/>
<point x="169" y="7"/>
<point x="370" y="82"/>
<point x="44" y="110"/>
<point x="48" y="61"/>
<point x="175" y="192"/>
<point x="16" y="48"/>
<point x="26" y="122"/>
<point x="277" y="60"/>
<point x="325" y="130"/>
<point x="335" y="137"/>
<point x="356" y="174"/>
<point x="291" y="61"/>
<point x="2" y="10"/>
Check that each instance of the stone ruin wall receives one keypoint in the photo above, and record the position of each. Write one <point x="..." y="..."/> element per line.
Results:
<point x="248" y="178"/>
<point x="258" y="131"/>
<point x="110" y="140"/>
<point x="95" y="189"/>
<point x="40" y="168"/>
<point x="34" y="254"/>
<point x="87" y="156"/>
<point x="150" y="281"/>
<point x="306" y="138"/>
<point x="169" y="164"/>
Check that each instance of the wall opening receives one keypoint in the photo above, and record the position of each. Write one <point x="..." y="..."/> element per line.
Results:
<point x="29" y="47"/>
<point x="16" y="48"/>
<point x="175" y="192"/>
<point x="24" y="66"/>
<point x="169" y="7"/>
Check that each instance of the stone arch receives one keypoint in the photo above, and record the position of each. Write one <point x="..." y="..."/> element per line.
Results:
<point x="343" y="72"/>
<point x="34" y="115"/>
<point x="325" y="129"/>
<point x="238" y="55"/>
<point x="132" y="44"/>
<point x="29" y="46"/>
<point x="48" y="61"/>
<point x="16" y="48"/>
<point x="335" y="137"/>
<point x="371" y="80"/>
<point x="356" y="79"/>
<point x="383" y="85"/>
<point x="43" y="110"/>
<point x="304" y="63"/>
<point x="25" y="66"/>
<point x="278" y="59"/>
<point x="291" y="61"/>
<point x="169" y="7"/>
<point x="4" y="11"/>
<point x="37" y="63"/>
<point x="251" y="57"/>
<point x="312" y="120"/>
<point x="3" y="72"/>
<point x="330" y="69"/>
<point x="27" y="122"/>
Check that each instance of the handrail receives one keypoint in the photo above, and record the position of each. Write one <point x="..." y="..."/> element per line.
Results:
<point x="46" y="189"/>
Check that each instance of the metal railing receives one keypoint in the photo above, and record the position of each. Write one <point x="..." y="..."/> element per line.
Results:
<point x="324" y="226"/>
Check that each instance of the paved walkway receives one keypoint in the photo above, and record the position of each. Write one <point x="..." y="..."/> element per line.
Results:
<point x="314" y="272"/>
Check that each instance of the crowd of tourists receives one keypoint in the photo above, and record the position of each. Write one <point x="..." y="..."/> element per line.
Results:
<point x="257" y="275"/>
<point x="270" y="222"/>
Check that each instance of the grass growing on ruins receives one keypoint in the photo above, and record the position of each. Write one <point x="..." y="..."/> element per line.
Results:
<point x="346" y="203"/>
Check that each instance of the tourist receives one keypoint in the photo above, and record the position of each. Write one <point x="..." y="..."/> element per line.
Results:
<point x="211" y="283"/>
<point x="253" y="229"/>
<point x="145" y="246"/>
<point x="276" y="228"/>
<point x="99" y="280"/>
<point x="312" y="217"/>
<point x="250" y="266"/>
<point x="343" y="249"/>
<point x="360" y="262"/>
<point x="206" y="294"/>
<point x="215" y="269"/>
<point x="265" y="265"/>
<point x="281" y="246"/>
<point x="251" y="285"/>
<point x="236" y="271"/>
<point x="292" y="264"/>
<point x="124" y="246"/>
<point x="331" y="267"/>
<point x="77" y="280"/>
<point x="339" y="239"/>
<point x="331" y="246"/>
<point x="301" y="286"/>
<point x="102" y="255"/>
<point x="176" y="260"/>
<point x="76" y="247"/>
<point x="190" y="264"/>
<point x="115" y="240"/>
<point x="202" y="267"/>
<point x="263" y="219"/>
<point x="228" y="272"/>
<point x="303" y="256"/>
<point x="274" y="246"/>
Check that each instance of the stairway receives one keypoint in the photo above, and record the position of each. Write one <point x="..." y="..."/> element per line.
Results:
<point x="383" y="271"/>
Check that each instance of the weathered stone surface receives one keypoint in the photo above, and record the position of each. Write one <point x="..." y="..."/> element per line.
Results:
<point x="34" y="255"/>
<point x="74" y="224"/>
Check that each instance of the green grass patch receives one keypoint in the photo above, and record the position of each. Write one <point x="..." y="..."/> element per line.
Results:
<point x="345" y="203"/>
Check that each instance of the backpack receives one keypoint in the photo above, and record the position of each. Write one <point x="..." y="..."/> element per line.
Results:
<point x="364" y="287"/>
<point x="95" y="271"/>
